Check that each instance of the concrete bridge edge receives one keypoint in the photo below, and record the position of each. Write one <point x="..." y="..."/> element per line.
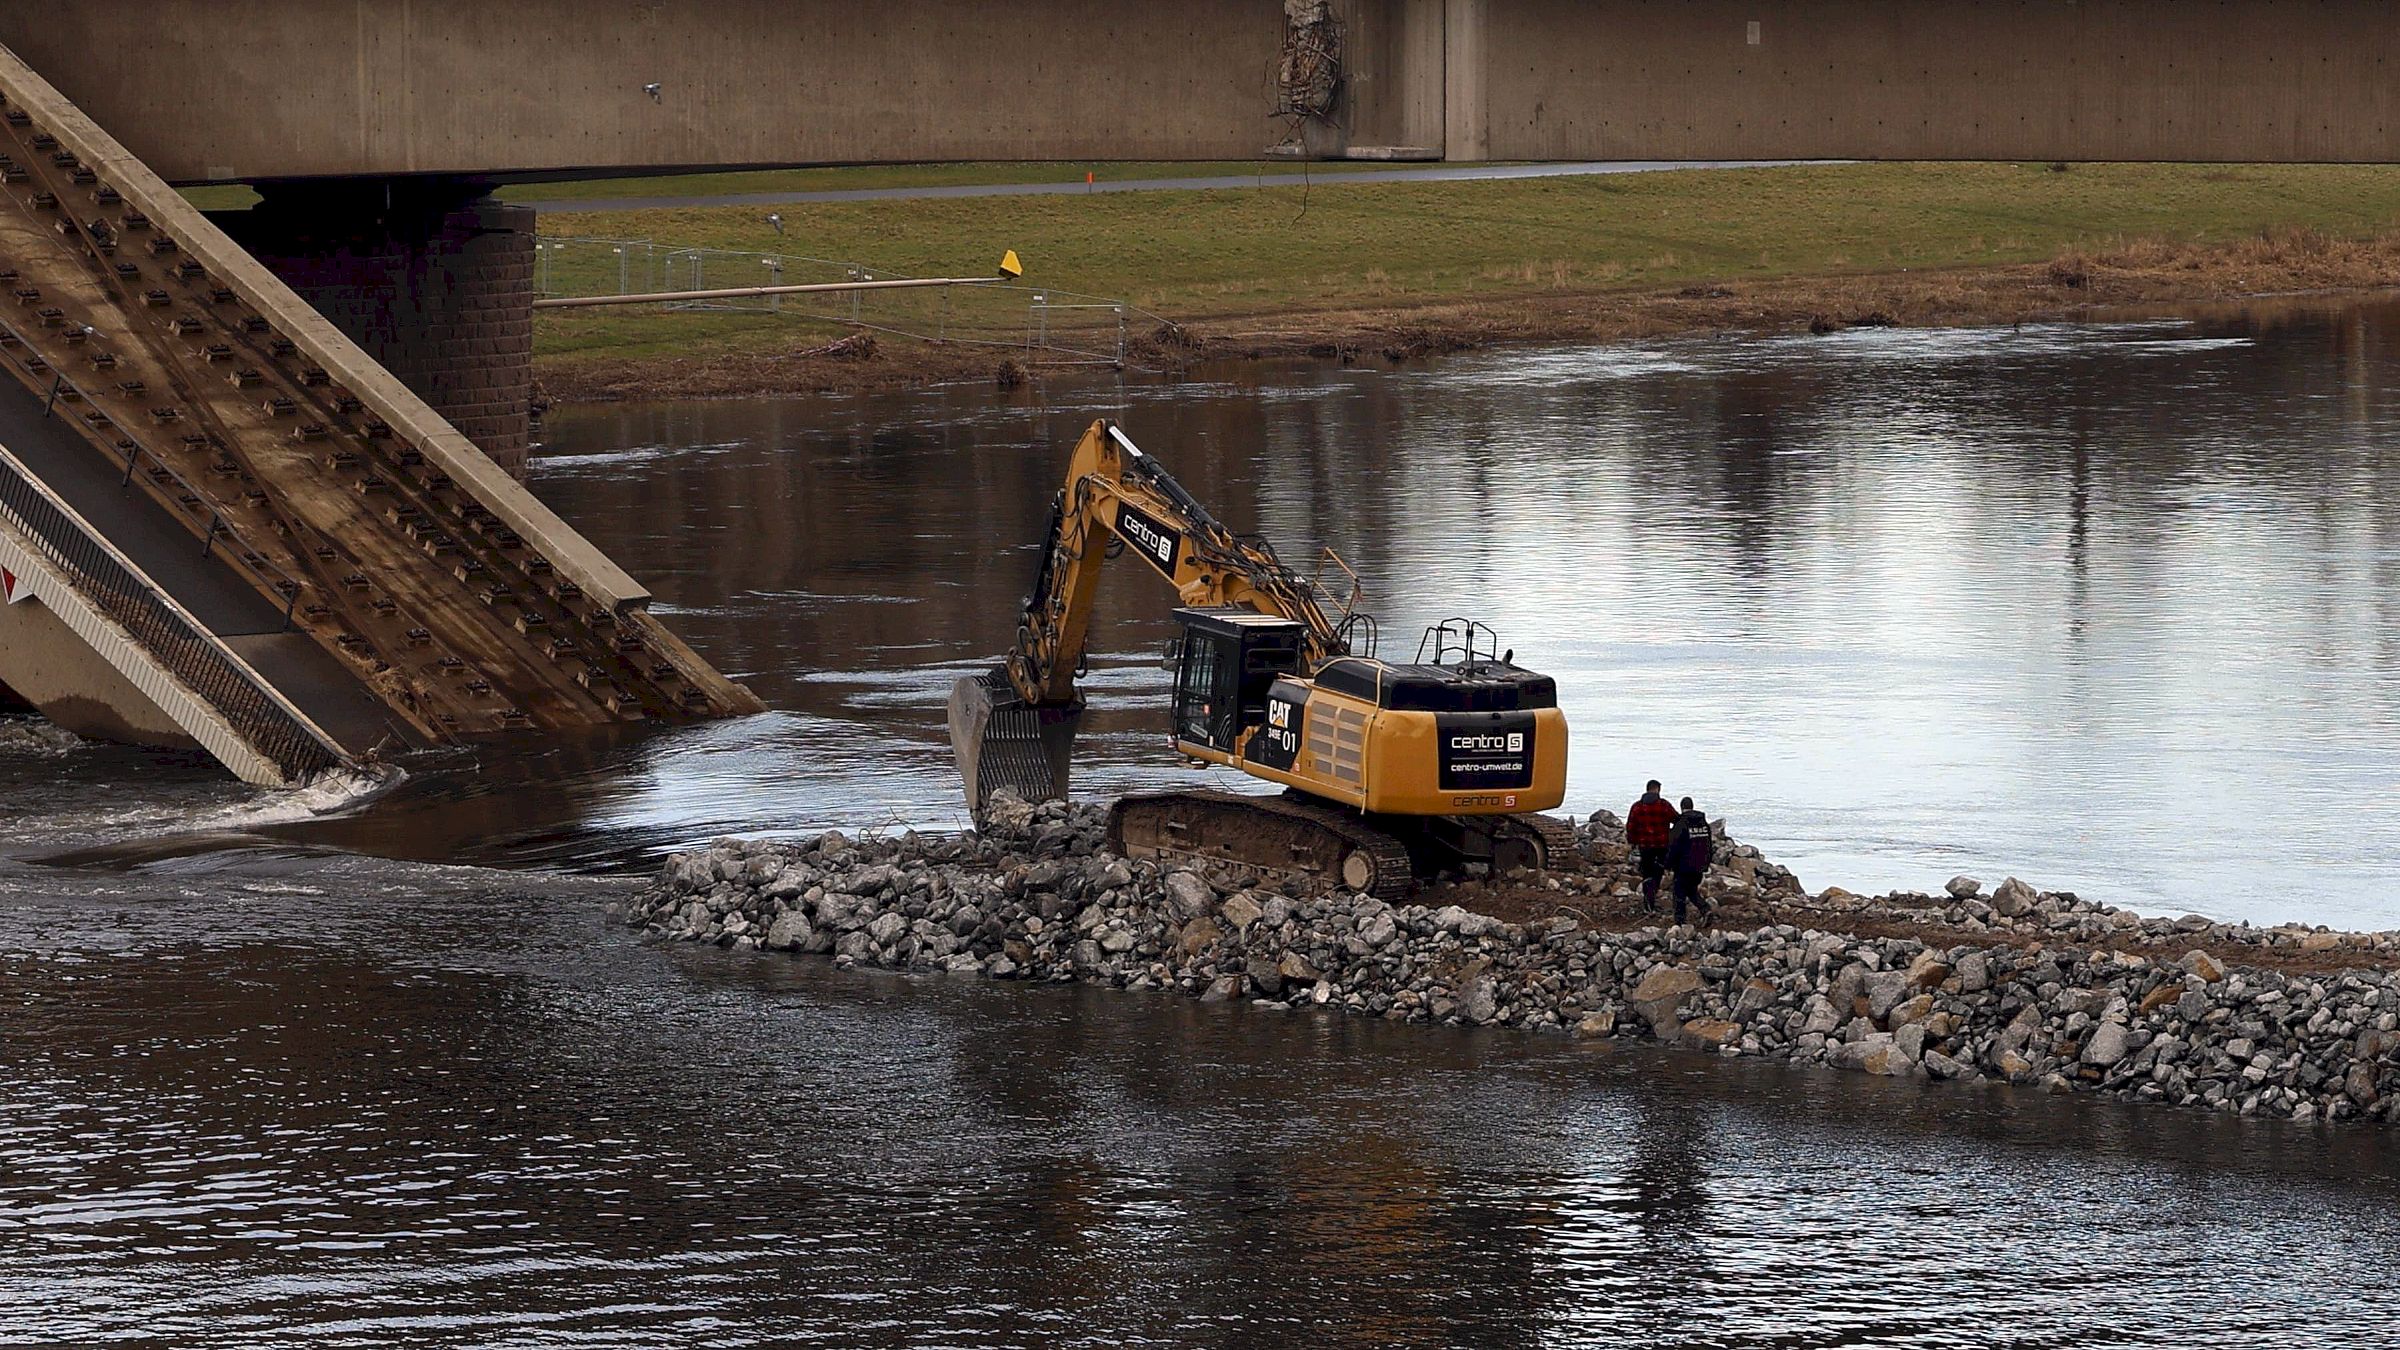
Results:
<point x="143" y="695"/>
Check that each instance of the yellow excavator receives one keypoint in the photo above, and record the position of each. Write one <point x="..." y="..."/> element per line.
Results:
<point x="1392" y="772"/>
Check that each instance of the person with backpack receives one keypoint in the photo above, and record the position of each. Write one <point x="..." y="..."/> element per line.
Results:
<point x="1648" y="826"/>
<point x="1691" y="845"/>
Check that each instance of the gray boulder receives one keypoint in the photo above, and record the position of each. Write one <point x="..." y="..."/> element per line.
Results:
<point x="1910" y="1040"/>
<point x="1974" y="972"/>
<point x="1241" y="911"/>
<point x="2107" y="1045"/>
<point x="2014" y="899"/>
<point x="1481" y="1002"/>
<point x="1379" y="931"/>
<point x="1453" y="919"/>
<point x="1939" y="1065"/>
<point x="1884" y="990"/>
<point x="1188" y="896"/>
<point x="788" y="931"/>
<point x="1598" y="1024"/>
<point x="1659" y="997"/>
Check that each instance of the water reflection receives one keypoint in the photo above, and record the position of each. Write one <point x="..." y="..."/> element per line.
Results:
<point x="2108" y="606"/>
<point x="2111" y="606"/>
<point x="354" y="1102"/>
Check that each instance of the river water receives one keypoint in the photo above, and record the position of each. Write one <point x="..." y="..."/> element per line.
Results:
<point x="2105" y="606"/>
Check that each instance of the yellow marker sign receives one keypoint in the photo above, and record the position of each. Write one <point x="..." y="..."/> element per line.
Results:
<point x="1009" y="266"/>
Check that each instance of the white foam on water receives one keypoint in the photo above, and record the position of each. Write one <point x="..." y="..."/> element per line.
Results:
<point x="334" y="792"/>
<point x="550" y="464"/>
<point x="278" y="888"/>
<point x="2184" y="344"/>
<point x="37" y="739"/>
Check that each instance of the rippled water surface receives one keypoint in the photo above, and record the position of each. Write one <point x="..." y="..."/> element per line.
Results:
<point x="350" y="1104"/>
<point x="2104" y="606"/>
<point x="2109" y="607"/>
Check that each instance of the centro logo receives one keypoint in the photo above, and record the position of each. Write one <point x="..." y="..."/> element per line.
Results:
<point x="1483" y="743"/>
<point x="1150" y="541"/>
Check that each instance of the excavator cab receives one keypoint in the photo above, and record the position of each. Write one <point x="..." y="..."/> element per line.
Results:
<point x="1226" y="659"/>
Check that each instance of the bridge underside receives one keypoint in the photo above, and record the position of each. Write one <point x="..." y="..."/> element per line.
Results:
<point x="248" y="90"/>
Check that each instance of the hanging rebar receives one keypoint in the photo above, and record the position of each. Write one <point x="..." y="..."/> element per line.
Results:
<point x="1309" y="74"/>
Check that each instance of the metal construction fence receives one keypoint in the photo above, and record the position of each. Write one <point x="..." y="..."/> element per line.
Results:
<point x="1036" y="324"/>
<point x="171" y="636"/>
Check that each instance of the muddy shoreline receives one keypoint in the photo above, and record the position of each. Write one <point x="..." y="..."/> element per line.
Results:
<point x="2137" y="278"/>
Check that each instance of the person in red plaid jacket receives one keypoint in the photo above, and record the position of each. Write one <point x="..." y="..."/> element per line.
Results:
<point x="1647" y="826"/>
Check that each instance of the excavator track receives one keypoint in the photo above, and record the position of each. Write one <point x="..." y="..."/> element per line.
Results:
<point x="1307" y="841"/>
<point x="1315" y="843"/>
<point x="1554" y="839"/>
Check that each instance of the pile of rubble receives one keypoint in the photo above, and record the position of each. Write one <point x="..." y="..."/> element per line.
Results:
<point x="2045" y="989"/>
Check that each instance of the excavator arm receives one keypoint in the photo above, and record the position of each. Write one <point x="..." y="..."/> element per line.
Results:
<point x="1013" y="728"/>
<point x="1116" y="495"/>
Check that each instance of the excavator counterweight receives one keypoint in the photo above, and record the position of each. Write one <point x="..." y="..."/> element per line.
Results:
<point x="1389" y="771"/>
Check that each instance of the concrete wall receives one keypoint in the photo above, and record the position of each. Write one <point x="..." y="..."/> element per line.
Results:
<point x="242" y="89"/>
<point x="1392" y="92"/>
<point x="2304" y="80"/>
<point x="249" y="89"/>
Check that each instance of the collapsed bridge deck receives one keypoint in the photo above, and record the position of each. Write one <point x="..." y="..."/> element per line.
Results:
<point x="338" y="536"/>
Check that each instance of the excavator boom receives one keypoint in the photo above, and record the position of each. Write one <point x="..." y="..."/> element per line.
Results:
<point x="1014" y="729"/>
<point x="1115" y="494"/>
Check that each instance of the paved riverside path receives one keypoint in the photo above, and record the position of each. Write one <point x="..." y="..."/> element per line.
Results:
<point x="155" y="541"/>
<point x="1334" y="177"/>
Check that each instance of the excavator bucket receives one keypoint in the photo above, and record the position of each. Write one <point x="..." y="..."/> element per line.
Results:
<point x="1004" y="743"/>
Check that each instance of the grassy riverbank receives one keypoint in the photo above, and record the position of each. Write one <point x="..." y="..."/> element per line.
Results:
<point x="1368" y="271"/>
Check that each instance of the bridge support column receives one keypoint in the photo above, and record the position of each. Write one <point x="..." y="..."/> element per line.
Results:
<point x="1466" y="61"/>
<point x="433" y="278"/>
<point x="1391" y="90"/>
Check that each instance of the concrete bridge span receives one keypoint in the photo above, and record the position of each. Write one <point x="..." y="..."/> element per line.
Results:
<point x="219" y="90"/>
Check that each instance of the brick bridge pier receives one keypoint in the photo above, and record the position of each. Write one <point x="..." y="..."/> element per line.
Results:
<point x="433" y="277"/>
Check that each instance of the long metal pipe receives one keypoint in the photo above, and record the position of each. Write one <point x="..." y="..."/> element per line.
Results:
<point x="743" y="292"/>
